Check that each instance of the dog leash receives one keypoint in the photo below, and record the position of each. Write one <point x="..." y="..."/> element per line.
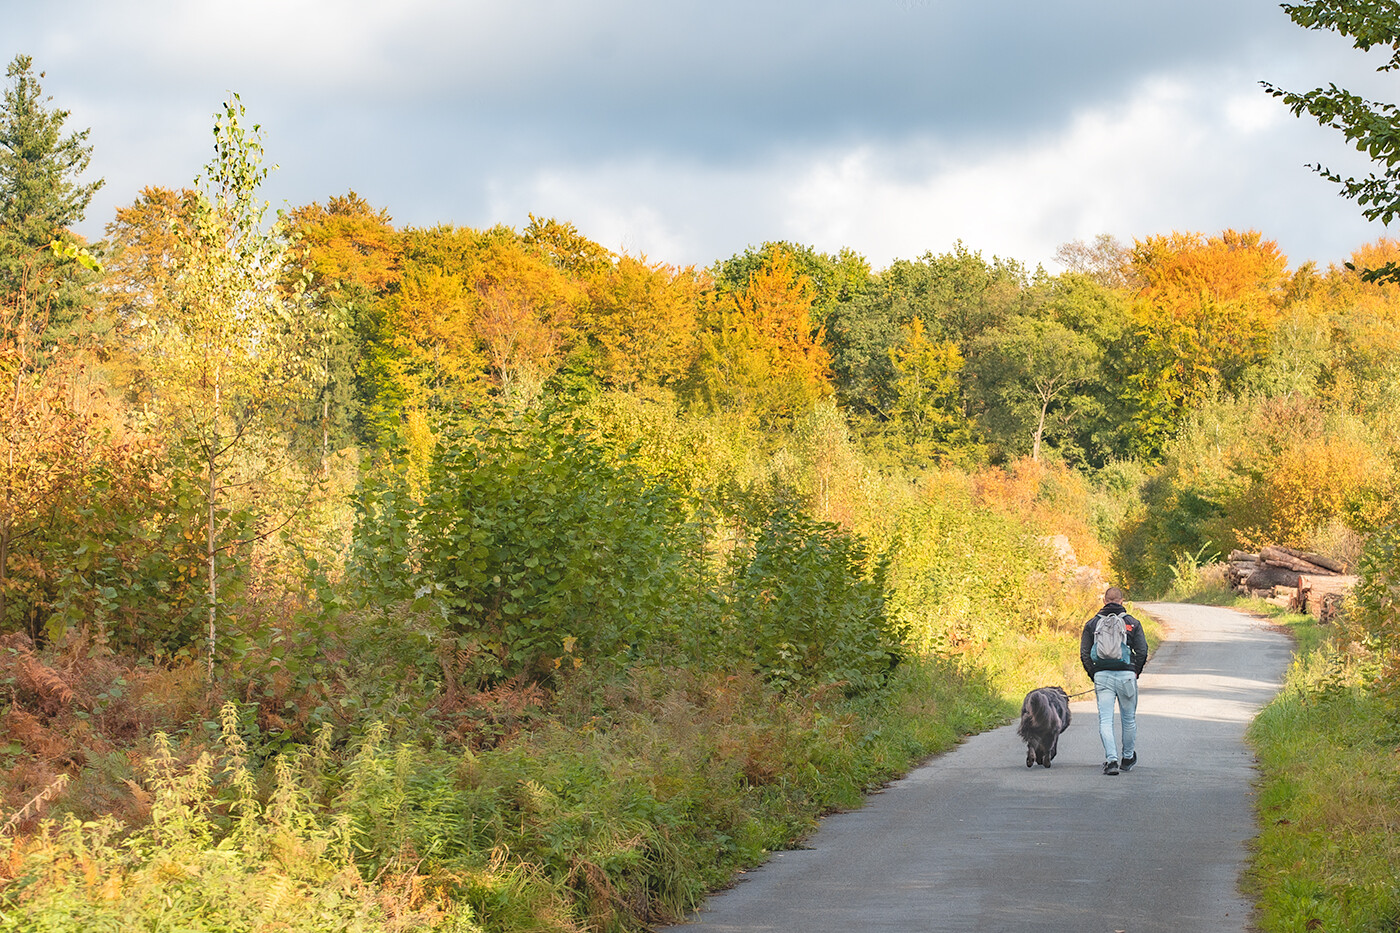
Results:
<point x="1081" y="693"/>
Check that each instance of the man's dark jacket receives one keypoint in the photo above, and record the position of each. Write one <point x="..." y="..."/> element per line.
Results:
<point x="1137" y="644"/>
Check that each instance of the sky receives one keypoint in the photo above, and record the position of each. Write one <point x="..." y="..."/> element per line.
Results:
<point x="690" y="131"/>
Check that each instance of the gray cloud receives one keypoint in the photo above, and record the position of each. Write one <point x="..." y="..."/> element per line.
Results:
<point x="705" y="127"/>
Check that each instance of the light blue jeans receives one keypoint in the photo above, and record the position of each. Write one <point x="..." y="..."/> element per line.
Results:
<point x="1120" y="686"/>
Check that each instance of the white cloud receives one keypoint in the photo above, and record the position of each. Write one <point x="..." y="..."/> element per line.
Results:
<point x="664" y="129"/>
<point x="1174" y="154"/>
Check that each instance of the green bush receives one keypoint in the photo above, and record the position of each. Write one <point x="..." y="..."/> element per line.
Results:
<point x="539" y="547"/>
<point x="807" y="608"/>
<point x="962" y="575"/>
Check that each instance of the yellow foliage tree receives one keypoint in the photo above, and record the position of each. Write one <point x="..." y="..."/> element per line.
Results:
<point x="641" y="317"/>
<point x="927" y="411"/>
<point x="1365" y="316"/>
<point x="760" y="353"/>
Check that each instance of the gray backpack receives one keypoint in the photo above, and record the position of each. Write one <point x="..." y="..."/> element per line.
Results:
<point x="1111" y="639"/>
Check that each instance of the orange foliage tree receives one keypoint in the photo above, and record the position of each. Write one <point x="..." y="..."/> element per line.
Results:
<point x="526" y="311"/>
<point x="43" y="440"/>
<point x="348" y="244"/>
<point x="1204" y="310"/>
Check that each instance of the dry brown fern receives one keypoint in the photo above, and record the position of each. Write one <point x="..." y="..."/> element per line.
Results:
<point x="35" y="804"/>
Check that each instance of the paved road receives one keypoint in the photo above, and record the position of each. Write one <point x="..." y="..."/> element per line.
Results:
<point x="975" y="841"/>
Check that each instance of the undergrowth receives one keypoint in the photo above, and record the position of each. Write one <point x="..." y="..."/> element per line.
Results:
<point x="618" y="810"/>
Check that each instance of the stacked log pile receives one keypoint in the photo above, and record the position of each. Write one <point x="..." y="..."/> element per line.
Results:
<point x="1297" y="580"/>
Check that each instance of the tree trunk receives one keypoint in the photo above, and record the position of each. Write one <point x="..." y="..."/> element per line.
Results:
<point x="1277" y="557"/>
<point x="4" y="563"/>
<point x="211" y="553"/>
<point x="325" y="431"/>
<point x="1316" y="591"/>
<point x="1039" y="432"/>
<point x="1326" y="563"/>
<point x="1266" y="578"/>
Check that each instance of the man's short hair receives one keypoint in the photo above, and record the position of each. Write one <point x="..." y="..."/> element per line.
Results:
<point x="1113" y="595"/>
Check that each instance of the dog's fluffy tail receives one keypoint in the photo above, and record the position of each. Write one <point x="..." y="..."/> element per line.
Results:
<point x="1037" y="716"/>
<point x="1043" y="713"/>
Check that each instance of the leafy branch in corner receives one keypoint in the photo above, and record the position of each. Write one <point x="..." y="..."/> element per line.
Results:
<point x="1372" y="127"/>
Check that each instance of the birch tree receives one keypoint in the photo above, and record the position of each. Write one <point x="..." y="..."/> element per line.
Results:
<point x="229" y="344"/>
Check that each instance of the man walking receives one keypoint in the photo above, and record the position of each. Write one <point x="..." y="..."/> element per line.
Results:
<point x="1113" y="650"/>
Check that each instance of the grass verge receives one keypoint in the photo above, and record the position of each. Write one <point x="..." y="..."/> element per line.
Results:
<point x="1328" y="853"/>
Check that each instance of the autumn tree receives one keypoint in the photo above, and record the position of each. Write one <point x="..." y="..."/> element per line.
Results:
<point x="45" y="433"/>
<point x="927" y="411"/>
<point x="43" y="440"/>
<point x="426" y="349"/>
<point x="760" y="352"/>
<point x="562" y="244"/>
<point x="353" y="258"/>
<point x="228" y="342"/>
<point x="641" y="319"/>
<point x="1203" y="311"/>
<point x="834" y="278"/>
<point x="956" y="295"/>
<point x="526" y="312"/>
<point x="1363" y="314"/>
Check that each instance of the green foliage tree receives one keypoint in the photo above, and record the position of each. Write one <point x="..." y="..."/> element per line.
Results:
<point x="1095" y="430"/>
<point x="1372" y="126"/>
<point x="957" y="296"/>
<point x="1027" y="375"/>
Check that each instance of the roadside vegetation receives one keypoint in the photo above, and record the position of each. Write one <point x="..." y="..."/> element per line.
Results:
<point x="1329" y="754"/>
<point x="359" y="577"/>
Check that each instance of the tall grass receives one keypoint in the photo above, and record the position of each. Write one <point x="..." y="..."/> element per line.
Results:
<point x="621" y="811"/>
<point x="1329" y="750"/>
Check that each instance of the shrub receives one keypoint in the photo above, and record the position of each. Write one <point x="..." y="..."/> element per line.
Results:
<point x="807" y="607"/>
<point x="538" y="547"/>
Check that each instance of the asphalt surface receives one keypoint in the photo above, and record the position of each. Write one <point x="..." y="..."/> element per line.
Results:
<point x="975" y="841"/>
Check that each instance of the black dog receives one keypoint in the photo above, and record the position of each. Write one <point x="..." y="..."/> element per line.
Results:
<point x="1044" y="715"/>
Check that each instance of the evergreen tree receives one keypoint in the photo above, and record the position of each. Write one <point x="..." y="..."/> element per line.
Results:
<point x="40" y="198"/>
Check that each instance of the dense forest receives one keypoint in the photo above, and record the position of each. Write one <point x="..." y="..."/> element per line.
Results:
<point x="382" y="577"/>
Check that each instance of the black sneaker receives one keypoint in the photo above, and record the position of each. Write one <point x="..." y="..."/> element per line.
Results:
<point x="1110" y="766"/>
<point x="1129" y="762"/>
